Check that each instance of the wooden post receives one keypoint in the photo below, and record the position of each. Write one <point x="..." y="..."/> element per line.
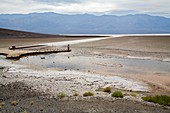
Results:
<point x="68" y="47"/>
<point x="12" y="48"/>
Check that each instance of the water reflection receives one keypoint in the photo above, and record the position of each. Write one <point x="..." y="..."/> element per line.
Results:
<point x="98" y="64"/>
<point x="2" y="57"/>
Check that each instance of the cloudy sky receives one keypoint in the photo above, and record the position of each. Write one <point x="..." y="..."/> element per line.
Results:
<point x="99" y="7"/>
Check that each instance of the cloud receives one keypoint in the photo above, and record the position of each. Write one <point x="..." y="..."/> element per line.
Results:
<point x="159" y="7"/>
<point x="58" y="1"/>
<point x="85" y="7"/>
<point x="24" y="6"/>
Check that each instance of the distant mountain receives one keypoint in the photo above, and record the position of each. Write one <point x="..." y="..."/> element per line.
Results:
<point x="53" y="23"/>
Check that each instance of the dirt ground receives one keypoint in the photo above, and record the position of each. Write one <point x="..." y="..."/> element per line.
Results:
<point x="137" y="46"/>
<point x="35" y="102"/>
<point x="7" y="42"/>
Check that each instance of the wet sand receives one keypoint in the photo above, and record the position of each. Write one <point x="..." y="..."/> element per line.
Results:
<point x="135" y="47"/>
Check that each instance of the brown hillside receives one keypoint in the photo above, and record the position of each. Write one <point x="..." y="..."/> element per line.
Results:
<point x="6" y="33"/>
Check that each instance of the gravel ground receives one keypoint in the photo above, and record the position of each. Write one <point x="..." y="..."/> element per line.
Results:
<point x="35" y="102"/>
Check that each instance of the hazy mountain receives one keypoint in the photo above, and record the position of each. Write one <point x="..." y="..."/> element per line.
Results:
<point x="85" y="24"/>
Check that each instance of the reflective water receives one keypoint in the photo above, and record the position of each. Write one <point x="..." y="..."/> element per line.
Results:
<point x="2" y="57"/>
<point x="98" y="63"/>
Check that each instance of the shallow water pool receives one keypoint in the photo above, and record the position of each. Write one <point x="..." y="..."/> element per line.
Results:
<point x="111" y="65"/>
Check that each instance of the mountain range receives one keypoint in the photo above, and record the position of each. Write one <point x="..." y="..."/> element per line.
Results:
<point x="54" y="23"/>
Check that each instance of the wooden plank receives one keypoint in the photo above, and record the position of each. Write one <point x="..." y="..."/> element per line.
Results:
<point x="18" y="56"/>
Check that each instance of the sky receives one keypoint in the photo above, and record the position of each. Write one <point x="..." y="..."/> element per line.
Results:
<point x="98" y="7"/>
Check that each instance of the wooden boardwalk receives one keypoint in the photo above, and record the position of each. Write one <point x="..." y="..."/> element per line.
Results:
<point x="18" y="56"/>
<point x="19" y="52"/>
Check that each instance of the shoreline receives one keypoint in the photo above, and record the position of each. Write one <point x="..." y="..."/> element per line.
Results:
<point x="33" y="99"/>
<point x="84" y="79"/>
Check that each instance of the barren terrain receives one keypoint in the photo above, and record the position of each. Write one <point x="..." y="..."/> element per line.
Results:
<point x="27" y="81"/>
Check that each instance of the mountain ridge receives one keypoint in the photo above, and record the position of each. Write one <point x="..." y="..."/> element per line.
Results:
<point x="55" y="23"/>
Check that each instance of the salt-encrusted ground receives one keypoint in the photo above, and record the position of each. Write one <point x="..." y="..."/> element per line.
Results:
<point x="35" y="90"/>
<point x="54" y="81"/>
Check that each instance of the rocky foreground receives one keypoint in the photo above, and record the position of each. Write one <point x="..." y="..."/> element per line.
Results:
<point x="17" y="97"/>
